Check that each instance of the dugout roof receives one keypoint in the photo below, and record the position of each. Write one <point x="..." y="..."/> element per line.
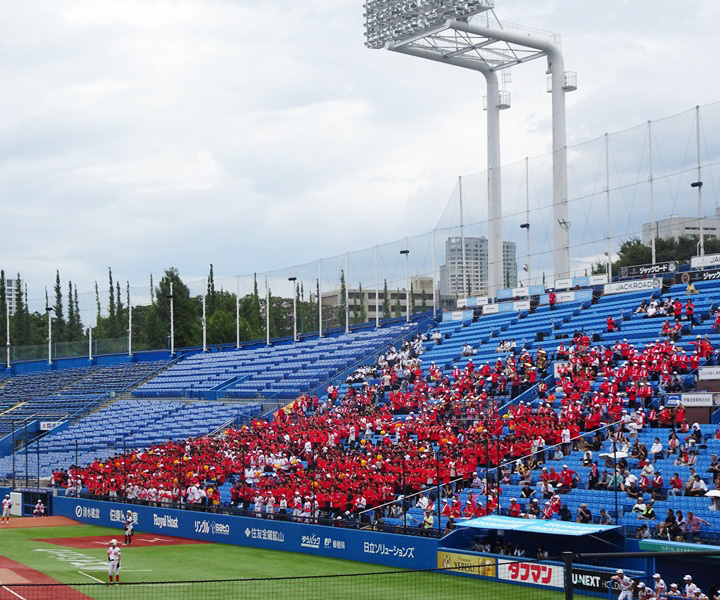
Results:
<point x="568" y="528"/>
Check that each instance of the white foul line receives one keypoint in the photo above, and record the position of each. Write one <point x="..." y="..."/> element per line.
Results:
<point x="14" y="593"/>
<point x="91" y="577"/>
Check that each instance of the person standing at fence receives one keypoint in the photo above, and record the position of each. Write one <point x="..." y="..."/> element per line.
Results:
<point x="645" y="592"/>
<point x="114" y="560"/>
<point x="625" y="584"/>
<point x="6" y="506"/>
<point x="129" y="528"/>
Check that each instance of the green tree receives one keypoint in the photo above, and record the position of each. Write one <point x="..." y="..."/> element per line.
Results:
<point x="397" y="309"/>
<point x="634" y="252"/>
<point x="20" y="323"/>
<point x="59" y="333"/>
<point x="72" y="319"/>
<point x="412" y="300"/>
<point x="3" y="307"/>
<point x="342" y="300"/>
<point x="188" y="329"/>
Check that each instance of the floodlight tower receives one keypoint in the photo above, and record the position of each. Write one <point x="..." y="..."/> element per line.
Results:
<point x="440" y="30"/>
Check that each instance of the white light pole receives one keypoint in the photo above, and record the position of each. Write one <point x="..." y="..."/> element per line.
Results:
<point x="267" y="308"/>
<point x="204" y="318"/>
<point x="434" y="281"/>
<point x="652" y="192"/>
<point x="607" y="201"/>
<point x="698" y="184"/>
<point x="172" y="320"/>
<point x="526" y="224"/>
<point x="48" y="310"/>
<point x="319" y="299"/>
<point x="7" y="335"/>
<point x="129" y="322"/>
<point x="377" y="291"/>
<point x="347" y="292"/>
<point x="294" y="282"/>
<point x="237" y="314"/>
<point x="407" y="284"/>
<point x="609" y="266"/>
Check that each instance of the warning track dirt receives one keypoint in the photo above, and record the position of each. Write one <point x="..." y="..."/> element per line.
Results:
<point x="15" y="578"/>
<point x="140" y="540"/>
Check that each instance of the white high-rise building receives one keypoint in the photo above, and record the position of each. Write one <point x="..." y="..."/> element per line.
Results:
<point x="476" y="260"/>
<point x="10" y="290"/>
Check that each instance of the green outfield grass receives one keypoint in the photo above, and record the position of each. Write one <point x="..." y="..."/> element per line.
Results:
<point x="220" y="561"/>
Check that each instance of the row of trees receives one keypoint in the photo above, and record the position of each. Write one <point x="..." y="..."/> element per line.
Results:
<point x="150" y="322"/>
<point x="681" y="249"/>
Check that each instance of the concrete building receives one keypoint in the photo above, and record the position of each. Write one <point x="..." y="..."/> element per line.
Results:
<point x="675" y="226"/>
<point x="10" y="291"/>
<point x="421" y="290"/>
<point x="476" y="259"/>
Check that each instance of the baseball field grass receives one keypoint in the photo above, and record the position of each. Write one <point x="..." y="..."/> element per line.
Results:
<point x="81" y="563"/>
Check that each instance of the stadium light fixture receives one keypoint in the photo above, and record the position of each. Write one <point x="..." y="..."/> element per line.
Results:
<point x="467" y="34"/>
<point x="294" y="282"/>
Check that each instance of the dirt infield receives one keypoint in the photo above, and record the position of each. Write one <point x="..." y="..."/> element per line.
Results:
<point x="140" y="540"/>
<point x="24" y="522"/>
<point x="14" y="574"/>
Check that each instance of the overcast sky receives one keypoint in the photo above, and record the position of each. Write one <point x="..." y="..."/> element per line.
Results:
<point x="258" y="135"/>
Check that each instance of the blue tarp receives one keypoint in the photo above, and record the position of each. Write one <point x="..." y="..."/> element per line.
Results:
<point x="536" y="526"/>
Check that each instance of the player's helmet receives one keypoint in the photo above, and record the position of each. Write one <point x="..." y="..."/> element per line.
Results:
<point x="113" y="542"/>
<point x="129" y="512"/>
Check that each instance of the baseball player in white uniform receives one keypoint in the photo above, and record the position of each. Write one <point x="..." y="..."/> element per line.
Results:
<point x="6" y="506"/>
<point x="626" y="585"/>
<point x="114" y="560"/>
<point x="129" y="528"/>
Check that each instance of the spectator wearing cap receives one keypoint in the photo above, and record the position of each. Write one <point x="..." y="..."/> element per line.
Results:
<point x="698" y="486"/>
<point x="649" y="513"/>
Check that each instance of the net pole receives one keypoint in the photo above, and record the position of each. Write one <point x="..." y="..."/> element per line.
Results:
<point x="27" y="475"/>
<point x="13" y="453"/>
<point x="568" y="560"/>
<point x="437" y="470"/>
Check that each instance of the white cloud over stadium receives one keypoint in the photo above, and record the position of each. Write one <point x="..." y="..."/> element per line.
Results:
<point x="258" y="135"/>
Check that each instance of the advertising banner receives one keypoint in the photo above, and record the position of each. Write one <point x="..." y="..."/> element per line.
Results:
<point x="534" y="573"/>
<point x="636" y="285"/>
<point x="709" y="260"/>
<point x="647" y="270"/>
<point x="590" y="580"/>
<point x="410" y="552"/>
<point x="461" y="315"/>
<point x="691" y="399"/>
<point x="467" y="563"/>
<point x="708" y="373"/>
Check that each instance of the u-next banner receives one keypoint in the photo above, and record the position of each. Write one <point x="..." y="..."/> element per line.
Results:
<point x="409" y="552"/>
